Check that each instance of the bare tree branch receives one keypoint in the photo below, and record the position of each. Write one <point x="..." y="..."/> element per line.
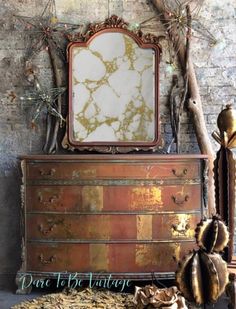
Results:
<point x="194" y="103"/>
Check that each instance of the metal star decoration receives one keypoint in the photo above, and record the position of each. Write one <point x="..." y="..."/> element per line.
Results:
<point x="44" y="99"/>
<point x="177" y="25"/>
<point x="178" y="21"/>
<point x="46" y="31"/>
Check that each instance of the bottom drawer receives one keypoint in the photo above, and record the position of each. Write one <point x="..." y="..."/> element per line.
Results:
<point x="109" y="257"/>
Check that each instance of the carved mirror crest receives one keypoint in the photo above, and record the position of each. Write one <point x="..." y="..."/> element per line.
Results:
<point x="113" y="89"/>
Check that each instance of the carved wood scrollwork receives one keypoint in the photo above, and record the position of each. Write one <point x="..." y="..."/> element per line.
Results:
<point x="114" y="22"/>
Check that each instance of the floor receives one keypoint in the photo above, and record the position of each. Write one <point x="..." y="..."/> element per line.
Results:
<point x="8" y="299"/>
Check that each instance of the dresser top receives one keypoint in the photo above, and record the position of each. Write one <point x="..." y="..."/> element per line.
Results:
<point x="111" y="157"/>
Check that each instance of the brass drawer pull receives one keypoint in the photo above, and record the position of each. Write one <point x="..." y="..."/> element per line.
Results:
<point x="51" y="172"/>
<point x="180" y="174"/>
<point x="76" y="174"/>
<point x="182" y="230"/>
<point x="52" y="223"/>
<point x="46" y="231"/>
<point x="51" y="199"/>
<point x="49" y="261"/>
<point x="180" y="201"/>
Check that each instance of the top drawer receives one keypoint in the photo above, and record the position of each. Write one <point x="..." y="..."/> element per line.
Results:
<point x="113" y="170"/>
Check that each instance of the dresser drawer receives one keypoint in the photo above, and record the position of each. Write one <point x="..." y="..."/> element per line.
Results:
<point x="113" y="198"/>
<point x="112" y="227"/>
<point x="113" y="257"/>
<point x="116" y="170"/>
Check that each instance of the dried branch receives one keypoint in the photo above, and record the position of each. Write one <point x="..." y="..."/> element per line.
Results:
<point x="52" y="147"/>
<point x="186" y="77"/>
<point x="173" y="100"/>
<point x="194" y="103"/>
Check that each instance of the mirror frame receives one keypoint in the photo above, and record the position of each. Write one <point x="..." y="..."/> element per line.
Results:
<point x="148" y="41"/>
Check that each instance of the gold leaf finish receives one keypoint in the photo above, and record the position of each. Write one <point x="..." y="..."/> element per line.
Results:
<point x="98" y="254"/>
<point x="143" y="255"/>
<point x="181" y="226"/>
<point x="92" y="198"/>
<point x="147" y="196"/>
<point x="144" y="227"/>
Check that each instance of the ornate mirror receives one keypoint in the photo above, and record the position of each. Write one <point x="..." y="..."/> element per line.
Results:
<point x="113" y="89"/>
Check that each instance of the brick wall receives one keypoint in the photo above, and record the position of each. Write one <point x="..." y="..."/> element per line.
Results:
<point x="215" y="68"/>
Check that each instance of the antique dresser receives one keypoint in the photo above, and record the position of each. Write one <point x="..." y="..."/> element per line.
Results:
<point x="126" y="215"/>
<point x="129" y="216"/>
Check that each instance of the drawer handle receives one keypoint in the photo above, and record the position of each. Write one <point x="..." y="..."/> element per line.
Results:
<point x="180" y="201"/>
<point x="51" y="172"/>
<point x="180" y="174"/>
<point x="52" y="223"/>
<point x="49" y="261"/>
<point x="76" y="174"/>
<point x="51" y="199"/>
<point x="179" y="230"/>
<point x="47" y="230"/>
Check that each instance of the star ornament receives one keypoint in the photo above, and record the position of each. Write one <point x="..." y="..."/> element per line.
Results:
<point x="177" y="24"/>
<point x="44" y="100"/>
<point x="46" y="31"/>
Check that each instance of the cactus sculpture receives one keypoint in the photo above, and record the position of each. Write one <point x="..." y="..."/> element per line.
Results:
<point x="212" y="235"/>
<point x="202" y="274"/>
<point x="225" y="172"/>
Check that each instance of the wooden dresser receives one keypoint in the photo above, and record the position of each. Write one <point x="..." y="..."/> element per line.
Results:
<point x="131" y="216"/>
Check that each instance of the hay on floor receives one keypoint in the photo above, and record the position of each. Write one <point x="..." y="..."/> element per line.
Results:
<point x="85" y="299"/>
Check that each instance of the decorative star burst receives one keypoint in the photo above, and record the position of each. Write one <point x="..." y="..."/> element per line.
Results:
<point x="44" y="99"/>
<point x="46" y="31"/>
<point x="177" y="24"/>
<point x="175" y="17"/>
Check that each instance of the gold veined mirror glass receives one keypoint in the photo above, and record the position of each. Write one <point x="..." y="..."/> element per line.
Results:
<point x="113" y="89"/>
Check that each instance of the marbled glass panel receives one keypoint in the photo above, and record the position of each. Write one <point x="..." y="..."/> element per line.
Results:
<point x="113" y="93"/>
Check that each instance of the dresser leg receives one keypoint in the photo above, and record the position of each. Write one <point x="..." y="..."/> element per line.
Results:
<point x="231" y="291"/>
<point x="20" y="289"/>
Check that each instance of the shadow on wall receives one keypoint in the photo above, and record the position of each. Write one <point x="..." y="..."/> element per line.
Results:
<point x="10" y="240"/>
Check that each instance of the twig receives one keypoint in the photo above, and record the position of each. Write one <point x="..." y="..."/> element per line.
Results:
<point x="186" y="76"/>
<point x="48" y="130"/>
<point x="52" y="147"/>
<point x="173" y="109"/>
